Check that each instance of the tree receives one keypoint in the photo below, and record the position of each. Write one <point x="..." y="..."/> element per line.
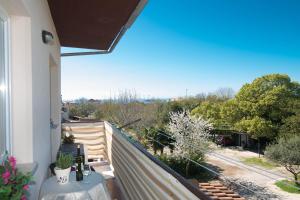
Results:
<point x="230" y="113"/>
<point x="286" y="152"/>
<point x="265" y="104"/>
<point x="126" y="108"/>
<point x="224" y="93"/>
<point x="291" y="126"/>
<point x="257" y="127"/>
<point x="157" y="140"/>
<point x="217" y="108"/>
<point x="201" y="96"/>
<point x="221" y="114"/>
<point x="191" y="135"/>
<point x="82" y="109"/>
<point x="209" y="111"/>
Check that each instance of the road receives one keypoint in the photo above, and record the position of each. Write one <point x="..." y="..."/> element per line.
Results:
<point x="257" y="179"/>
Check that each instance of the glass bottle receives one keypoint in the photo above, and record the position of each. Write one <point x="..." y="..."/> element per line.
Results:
<point x="79" y="174"/>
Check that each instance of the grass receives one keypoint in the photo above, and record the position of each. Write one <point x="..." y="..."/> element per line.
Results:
<point x="259" y="162"/>
<point x="288" y="186"/>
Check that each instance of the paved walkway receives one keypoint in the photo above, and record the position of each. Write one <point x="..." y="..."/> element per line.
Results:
<point x="112" y="185"/>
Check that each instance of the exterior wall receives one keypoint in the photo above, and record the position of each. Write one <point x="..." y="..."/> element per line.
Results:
<point x="31" y="104"/>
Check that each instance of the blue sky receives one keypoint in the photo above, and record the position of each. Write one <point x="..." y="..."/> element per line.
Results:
<point x="196" y="45"/>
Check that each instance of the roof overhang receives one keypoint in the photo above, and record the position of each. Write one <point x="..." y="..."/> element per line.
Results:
<point x="93" y="24"/>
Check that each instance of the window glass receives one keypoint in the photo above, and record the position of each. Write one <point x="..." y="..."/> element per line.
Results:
<point x="3" y="90"/>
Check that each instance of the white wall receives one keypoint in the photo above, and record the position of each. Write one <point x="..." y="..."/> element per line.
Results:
<point x="30" y="85"/>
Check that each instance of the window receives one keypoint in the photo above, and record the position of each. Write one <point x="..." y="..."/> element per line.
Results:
<point x="4" y="111"/>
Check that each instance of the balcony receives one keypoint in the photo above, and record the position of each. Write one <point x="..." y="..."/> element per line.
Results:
<point x="130" y="171"/>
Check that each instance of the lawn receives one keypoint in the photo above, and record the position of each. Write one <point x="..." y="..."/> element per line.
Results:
<point x="288" y="186"/>
<point x="259" y="162"/>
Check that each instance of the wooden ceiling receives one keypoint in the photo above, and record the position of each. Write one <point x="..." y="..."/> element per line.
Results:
<point x="90" y="24"/>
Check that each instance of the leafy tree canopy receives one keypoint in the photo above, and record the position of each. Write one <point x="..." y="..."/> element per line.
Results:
<point x="257" y="127"/>
<point x="209" y="111"/>
<point x="268" y="97"/>
<point x="265" y="103"/>
<point x="263" y="108"/>
<point x="291" y="126"/>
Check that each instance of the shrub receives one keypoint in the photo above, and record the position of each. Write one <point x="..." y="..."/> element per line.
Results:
<point x="178" y="164"/>
<point x="13" y="183"/>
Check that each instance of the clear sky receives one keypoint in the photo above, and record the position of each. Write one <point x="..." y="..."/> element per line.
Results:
<point x="196" y="45"/>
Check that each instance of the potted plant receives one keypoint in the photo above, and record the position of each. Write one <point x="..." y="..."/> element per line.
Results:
<point x="63" y="168"/>
<point x="13" y="183"/>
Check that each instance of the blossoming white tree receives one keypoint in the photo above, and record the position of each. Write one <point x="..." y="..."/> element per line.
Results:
<point x="191" y="134"/>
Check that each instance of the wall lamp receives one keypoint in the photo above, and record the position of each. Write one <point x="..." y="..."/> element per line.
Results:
<point x="47" y="37"/>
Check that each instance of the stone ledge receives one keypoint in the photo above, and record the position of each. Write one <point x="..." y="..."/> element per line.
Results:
<point x="28" y="167"/>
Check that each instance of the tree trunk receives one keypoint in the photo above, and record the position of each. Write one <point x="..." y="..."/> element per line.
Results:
<point x="258" y="148"/>
<point x="295" y="174"/>
<point x="187" y="169"/>
<point x="296" y="179"/>
<point x="161" y="151"/>
<point x="154" y="149"/>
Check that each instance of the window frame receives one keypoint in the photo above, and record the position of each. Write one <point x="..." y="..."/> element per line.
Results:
<point x="8" y="125"/>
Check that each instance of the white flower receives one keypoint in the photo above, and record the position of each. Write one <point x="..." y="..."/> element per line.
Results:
<point x="191" y="133"/>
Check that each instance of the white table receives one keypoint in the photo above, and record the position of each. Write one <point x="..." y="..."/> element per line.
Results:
<point x="95" y="189"/>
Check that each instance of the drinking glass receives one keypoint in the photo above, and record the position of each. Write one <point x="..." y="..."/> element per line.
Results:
<point x="86" y="172"/>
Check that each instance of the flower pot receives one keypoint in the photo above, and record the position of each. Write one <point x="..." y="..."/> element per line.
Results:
<point x="62" y="175"/>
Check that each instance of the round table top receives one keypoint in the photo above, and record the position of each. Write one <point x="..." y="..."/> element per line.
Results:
<point x="93" y="187"/>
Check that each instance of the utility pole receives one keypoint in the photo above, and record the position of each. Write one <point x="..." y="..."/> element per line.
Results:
<point x="186" y="93"/>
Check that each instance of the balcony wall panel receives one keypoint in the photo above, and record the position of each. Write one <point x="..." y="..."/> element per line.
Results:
<point x="92" y="135"/>
<point x="139" y="177"/>
<point x="138" y="174"/>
